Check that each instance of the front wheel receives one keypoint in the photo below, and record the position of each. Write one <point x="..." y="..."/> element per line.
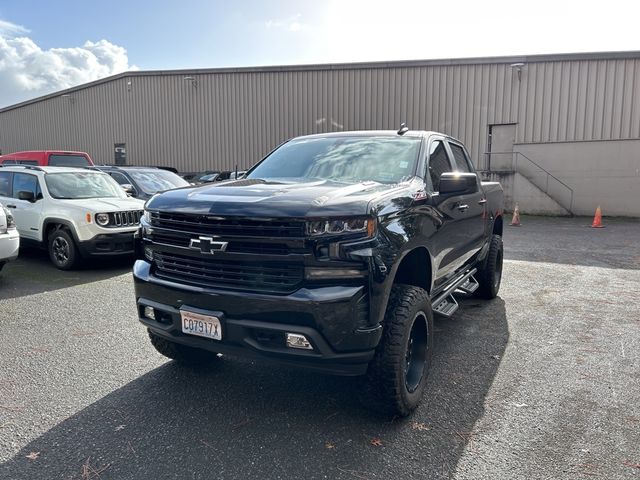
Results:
<point x="62" y="250"/>
<point x="397" y="375"/>
<point x="489" y="275"/>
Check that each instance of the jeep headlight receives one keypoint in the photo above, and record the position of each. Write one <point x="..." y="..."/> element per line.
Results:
<point x="102" y="219"/>
<point x="338" y="226"/>
<point x="147" y="216"/>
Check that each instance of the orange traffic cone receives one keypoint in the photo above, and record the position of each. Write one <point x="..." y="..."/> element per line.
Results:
<point x="515" y="220"/>
<point x="597" y="219"/>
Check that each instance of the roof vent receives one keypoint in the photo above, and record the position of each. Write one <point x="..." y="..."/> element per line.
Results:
<point x="403" y="129"/>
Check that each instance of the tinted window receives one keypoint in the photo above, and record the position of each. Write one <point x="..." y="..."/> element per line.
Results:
<point x="23" y="182"/>
<point x="462" y="164"/>
<point x="120" y="178"/>
<point x="5" y="184"/>
<point x="9" y="162"/>
<point x="68" y="161"/>
<point x="28" y="162"/>
<point x="344" y="159"/>
<point x="438" y="163"/>
<point x="152" y="181"/>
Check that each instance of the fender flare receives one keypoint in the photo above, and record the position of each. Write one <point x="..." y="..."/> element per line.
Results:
<point x="58" y="221"/>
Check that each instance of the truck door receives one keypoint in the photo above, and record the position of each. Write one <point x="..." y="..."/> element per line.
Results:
<point x="472" y="219"/>
<point x="443" y="240"/>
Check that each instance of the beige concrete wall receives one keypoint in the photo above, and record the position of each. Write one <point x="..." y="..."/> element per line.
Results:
<point x="605" y="173"/>
<point x="530" y="199"/>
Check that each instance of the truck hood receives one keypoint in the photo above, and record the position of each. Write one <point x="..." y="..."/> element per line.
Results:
<point x="260" y="198"/>
<point x="98" y="205"/>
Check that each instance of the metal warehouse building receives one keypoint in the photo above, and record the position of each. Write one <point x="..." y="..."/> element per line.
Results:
<point x="562" y="132"/>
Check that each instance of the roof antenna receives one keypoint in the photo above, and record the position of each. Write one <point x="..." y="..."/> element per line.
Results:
<point x="403" y="129"/>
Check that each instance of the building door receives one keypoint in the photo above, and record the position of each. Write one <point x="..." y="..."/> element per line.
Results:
<point x="500" y="153"/>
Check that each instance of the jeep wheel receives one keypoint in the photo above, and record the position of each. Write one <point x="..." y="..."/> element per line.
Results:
<point x="62" y="250"/>
<point x="397" y="375"/>
<point x="489" y="275"/>
<point x="180" y="353"/>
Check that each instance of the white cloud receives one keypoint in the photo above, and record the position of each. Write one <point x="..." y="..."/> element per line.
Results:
<point x="27" y="71"/>
<point x="11" y="28"/>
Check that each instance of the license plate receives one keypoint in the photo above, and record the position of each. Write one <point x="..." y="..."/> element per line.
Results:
<point x="206" y="326"/>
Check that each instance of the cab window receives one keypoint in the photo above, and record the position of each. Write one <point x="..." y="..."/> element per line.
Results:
<point x="462" y="162"/>
<point x="438" y="163"/>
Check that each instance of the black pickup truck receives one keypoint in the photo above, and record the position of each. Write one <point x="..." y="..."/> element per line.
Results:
<point x="333" y="253"/>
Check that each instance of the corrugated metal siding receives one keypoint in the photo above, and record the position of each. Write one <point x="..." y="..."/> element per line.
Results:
<point x="231" y="118"/>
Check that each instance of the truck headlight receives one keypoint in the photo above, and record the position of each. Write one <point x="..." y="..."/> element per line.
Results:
<point x="147" y="216"/>
<point x="344" y="225"/>
<point x="102" y="219"/>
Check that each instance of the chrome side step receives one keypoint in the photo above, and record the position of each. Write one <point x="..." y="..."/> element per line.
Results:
<point x="446" y="307"/>
<point x="445" y="304"/>
<point x="469" y="286"/>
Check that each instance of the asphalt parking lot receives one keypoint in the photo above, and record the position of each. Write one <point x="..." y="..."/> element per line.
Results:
<point x="540" y="383"/>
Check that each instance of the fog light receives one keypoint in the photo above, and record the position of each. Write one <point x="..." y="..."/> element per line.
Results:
<point x="149" y="313"/>
<point x="148" y="253"/>
<point x="295" y="340"/>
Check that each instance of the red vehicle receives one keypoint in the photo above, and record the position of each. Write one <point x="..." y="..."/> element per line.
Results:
<point x="53" y="158"/>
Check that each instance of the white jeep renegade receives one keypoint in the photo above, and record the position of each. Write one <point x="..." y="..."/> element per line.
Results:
<point x="72" y="212"/>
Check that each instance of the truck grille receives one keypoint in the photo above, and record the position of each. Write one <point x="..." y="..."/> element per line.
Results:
<point x="183" y="240"/>
<point x="212" y="225"/>
<point x="267" y="277"/>
<point x="125" y="219"/>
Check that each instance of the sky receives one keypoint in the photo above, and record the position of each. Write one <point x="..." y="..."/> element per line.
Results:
<point x="46" y="46"/>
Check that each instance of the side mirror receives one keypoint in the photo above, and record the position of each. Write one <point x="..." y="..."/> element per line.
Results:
<point x="28" y="196"/>
<point x="454" y="183"/>
<point x="130" y="189"/>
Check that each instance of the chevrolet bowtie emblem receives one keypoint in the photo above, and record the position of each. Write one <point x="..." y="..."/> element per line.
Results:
<point x="207" y="245"/>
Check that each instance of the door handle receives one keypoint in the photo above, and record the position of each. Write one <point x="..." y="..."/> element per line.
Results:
<point x="11" y="206"/>
<point x="462" y="208"/>
<point x="482" y="202"/>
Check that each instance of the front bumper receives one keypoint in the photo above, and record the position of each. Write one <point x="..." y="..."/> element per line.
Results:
<point x="109" y="244"/>
<point x="9" y="245"/>
<point x="254" y="324"/>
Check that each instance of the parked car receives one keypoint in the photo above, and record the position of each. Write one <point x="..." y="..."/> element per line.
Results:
<point x="54" y="158"/>
<point x="221" y="176"/>
<point x="9" y="237"/>
<point x="333" y="253"/>
<point x="143" y="182"/>
<point x="194" y="177"/>
<point x="74" y="213"/>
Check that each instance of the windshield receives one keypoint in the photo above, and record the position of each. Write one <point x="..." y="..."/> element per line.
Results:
<point x="343" y="159"/>
<point x="152" y="181"/>
<point x="68" y="161"/>
<point x="74" y="185"/>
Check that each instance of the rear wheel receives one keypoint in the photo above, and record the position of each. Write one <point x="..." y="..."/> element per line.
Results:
<point x="180" y="353"/>
<point x="397" y="375"/>
<point x="489" y="275"/>
<point x="62" y="249"/>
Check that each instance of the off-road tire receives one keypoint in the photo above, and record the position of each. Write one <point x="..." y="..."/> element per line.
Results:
<point x="489" y="274"/>
<point x="386" y="387"/>
<point x="63" y="251"/>
<point x="180" y="353"/>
